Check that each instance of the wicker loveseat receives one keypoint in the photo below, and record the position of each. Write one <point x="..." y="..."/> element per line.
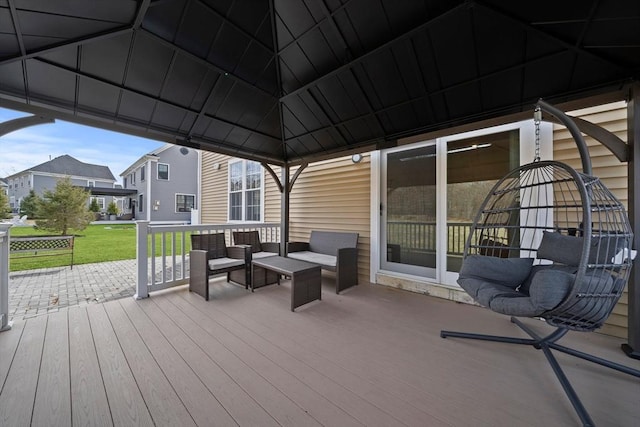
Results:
<point x="333" y="251"/>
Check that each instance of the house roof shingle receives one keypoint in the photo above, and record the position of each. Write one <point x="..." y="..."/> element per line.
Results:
<point x="67" y="165"/>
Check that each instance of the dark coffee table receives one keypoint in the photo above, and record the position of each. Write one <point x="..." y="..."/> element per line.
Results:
<point x="305" y="277"/>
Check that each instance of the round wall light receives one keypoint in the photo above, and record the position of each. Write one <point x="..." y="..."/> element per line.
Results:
<point x="356" y="158"/>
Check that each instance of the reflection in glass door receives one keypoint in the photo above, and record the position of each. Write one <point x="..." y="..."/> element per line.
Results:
<point x="474" y="165"/>
<point x="409" y="211"/>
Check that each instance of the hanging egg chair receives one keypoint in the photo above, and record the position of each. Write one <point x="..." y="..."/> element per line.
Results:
<point x="552" y="243"/>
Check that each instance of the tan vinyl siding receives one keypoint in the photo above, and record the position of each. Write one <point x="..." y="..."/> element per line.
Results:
<point x="334" y="195"/>
<point x="214" y="188"/>
<point x="609" y="169"/>
<point x="272" y="199"/>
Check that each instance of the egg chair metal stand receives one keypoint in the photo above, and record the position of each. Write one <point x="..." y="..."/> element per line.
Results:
<point x="551" y="243"/>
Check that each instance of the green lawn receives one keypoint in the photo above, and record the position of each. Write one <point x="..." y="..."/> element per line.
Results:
<point x="96" y="243"/>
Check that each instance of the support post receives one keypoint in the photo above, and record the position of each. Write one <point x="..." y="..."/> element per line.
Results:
<point x="5" y="235"/>
<point x="284" y="209"/>
<point x="632" y="348"/>
<point x="142" y="260"/>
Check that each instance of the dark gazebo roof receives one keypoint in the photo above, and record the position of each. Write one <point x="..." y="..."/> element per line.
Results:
<point x="285" y="81"/>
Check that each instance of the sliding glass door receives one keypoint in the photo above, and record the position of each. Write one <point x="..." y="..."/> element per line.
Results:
<point x="430" y="193"/>
<point x="408" y="211"/>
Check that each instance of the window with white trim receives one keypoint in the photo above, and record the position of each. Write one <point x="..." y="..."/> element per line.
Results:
<point x="100" y="201"/>
<point x="142" y="171"/>
<point x="140" y="203"/>
<point x="163" y="171"/>
<point x="245" y="191"/>
<point x="185" y="202"/>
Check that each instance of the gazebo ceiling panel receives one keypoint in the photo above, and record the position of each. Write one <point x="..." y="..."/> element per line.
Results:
<point x="287" y="81"/>
<point x="97" y="96"/>
<point x="115" y="48"/>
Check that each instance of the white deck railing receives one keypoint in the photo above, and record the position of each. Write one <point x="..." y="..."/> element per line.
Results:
<point x="163" y="251"/>
<point x="4" y="277"/>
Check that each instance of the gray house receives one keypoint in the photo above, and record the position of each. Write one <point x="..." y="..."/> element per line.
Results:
<point x="45" y="176"/>
<point x="166" y="184"/>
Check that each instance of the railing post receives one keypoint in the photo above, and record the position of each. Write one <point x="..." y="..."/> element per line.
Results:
<point x="142" y="259"/>
<point x="5" y="325"/>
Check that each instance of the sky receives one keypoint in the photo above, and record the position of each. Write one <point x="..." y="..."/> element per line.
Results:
<point x="29" y="147"/>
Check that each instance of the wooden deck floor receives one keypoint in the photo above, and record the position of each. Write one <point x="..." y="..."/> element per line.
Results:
<point x="371" y="356"/>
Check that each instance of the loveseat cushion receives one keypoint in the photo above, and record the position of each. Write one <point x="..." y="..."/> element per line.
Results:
<point x="314" y="257"/>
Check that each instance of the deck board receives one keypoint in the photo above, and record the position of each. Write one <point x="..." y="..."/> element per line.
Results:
<point x="53" y="401"/>
<point x="272" y="370"/>
<point x="201" y="404"/>
<point x="88" y="396"/>
<point x="126" y="404"/>
<point x="164" y="404"/>
<point x="273" y="400"/>
<point x="239" y="403"/>
<point x="8" y="345"/>
<point x="351" y="401"/>
<point x="369" y="356"/>
<point x="18" y="393"/>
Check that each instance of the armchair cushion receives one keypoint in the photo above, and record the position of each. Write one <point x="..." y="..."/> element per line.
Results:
<point x="223" y="263"/>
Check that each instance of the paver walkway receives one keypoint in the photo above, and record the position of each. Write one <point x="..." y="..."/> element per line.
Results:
<point x="45" y="290"/>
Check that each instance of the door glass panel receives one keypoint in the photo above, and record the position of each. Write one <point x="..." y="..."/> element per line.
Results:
<point x="474" y="165"/>
<point x="411" y="210"/>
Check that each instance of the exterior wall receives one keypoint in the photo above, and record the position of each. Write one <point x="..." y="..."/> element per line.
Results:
<point x="159" y="196"/>
<point x="334" y="195"/>
<point x="183" y="179"/>
<point x="610" y="170"/>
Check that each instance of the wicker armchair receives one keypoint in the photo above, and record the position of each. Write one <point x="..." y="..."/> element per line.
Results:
<point x="258" y="250"/>
<point x="210" y="256"/>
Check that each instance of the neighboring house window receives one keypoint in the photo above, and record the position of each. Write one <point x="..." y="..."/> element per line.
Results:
<point x="124" y="182"/>
<point x="163" y="171"/>
<point x="142" y="173"/>
<point x="133" y="178"/>
<point x="245" y="191"/>
<point x="91" y="183"/>
<point x="100" y="201"/>
<point x="140" y="203"/>
<point x="185" y="202"/>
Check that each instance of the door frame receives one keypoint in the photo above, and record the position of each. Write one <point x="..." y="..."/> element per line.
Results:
<point x="378" y="175"/>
